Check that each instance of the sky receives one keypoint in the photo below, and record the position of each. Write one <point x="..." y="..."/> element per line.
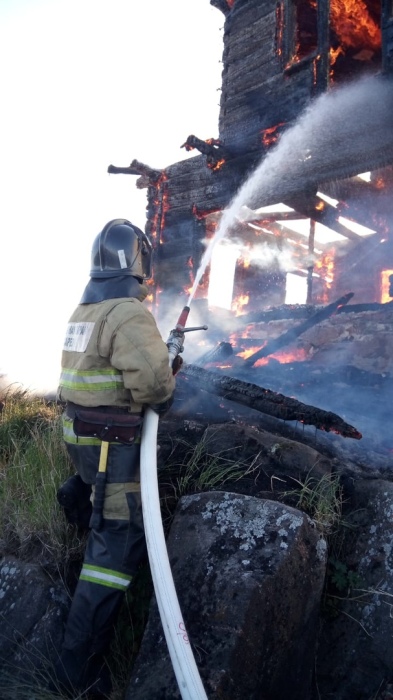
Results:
<point x="85" y="84"/>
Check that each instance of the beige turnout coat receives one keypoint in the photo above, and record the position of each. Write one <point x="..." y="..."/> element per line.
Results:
<point x="114" y="355"/>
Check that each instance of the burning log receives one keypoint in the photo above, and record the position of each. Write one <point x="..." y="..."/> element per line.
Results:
<point x="212" y="148"/>
<point x="266" y="401"/>
<point x="289" y="336"/>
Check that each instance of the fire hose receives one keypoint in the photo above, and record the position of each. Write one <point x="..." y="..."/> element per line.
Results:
<point x="179" y="647"/>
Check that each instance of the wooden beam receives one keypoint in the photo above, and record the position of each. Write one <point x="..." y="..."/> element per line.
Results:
<point x="323" y="213"/>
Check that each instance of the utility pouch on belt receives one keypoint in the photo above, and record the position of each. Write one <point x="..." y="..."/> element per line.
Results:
<point x="111" y="427"/>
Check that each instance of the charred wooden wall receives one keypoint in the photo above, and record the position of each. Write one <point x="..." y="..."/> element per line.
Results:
<point x="261" y="90"/>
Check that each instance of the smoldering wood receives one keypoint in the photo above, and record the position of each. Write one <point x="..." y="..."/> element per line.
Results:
<point x="212" y="148"/>
<point x="299" y="311"/>
<point x="290" y="335"/>
<point x="136" y="168"/>
<point x="265" y="400"/>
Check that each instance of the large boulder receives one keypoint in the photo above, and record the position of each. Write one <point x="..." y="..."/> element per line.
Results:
<point x="355" y="648"/>
<point x="33" y="612"/>
<point x="249" y="575"/>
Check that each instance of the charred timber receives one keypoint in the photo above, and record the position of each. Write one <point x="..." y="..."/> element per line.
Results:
<point x="300" y="311"/>
<point x="289" y="336"/>
<point x="136" y="168"/>
<point x="211" y="148"/>
<point x="266" y="401"/>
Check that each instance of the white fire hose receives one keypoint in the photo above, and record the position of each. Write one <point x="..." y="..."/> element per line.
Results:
<point x="183" y="662"/>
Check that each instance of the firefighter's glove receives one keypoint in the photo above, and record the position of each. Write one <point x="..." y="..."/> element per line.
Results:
<point x="177" y="364"/>
<point x="162" y="408"/>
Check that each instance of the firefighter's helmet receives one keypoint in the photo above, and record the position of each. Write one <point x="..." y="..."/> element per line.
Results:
<point x="121" y="249"/>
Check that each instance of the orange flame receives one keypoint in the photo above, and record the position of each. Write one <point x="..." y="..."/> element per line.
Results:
<point x="385" y="286"/>
<point x="247" y="353"/>
<point x="325" y="268"/>
<point x="354" y="26"/>
<point x="239" y="302"/>
<point x="279" y="28"/>
<point x="216" y="166"/>
<point x="283" y="357"/>
<point x="269" y="135"/>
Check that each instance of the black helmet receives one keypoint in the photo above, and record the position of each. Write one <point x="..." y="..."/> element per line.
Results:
<point x="121" y="249"/>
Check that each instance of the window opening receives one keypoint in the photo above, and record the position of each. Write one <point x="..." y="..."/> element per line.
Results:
<point x="355" y="38"/>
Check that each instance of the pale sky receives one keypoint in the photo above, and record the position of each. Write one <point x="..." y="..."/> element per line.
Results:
<point x="86" y="83"/>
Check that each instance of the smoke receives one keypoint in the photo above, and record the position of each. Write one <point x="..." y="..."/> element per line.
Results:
<point x="342" y="129"/>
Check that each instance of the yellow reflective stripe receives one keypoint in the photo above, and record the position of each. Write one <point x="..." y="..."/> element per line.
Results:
<point x="105" y="577"/>
<point x="70" y="437"/>
<point x="90" y="380"/>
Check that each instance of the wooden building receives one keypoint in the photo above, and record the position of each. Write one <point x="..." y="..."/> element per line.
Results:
<point x="313" y="78"/>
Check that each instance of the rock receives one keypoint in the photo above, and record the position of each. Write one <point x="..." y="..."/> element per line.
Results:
<point x="355" y="649"/>
<point x="249" y="575"/>
<point x="33" y="613"/>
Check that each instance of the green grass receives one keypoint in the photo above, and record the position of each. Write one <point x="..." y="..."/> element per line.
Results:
<point x="33" y="464"/>
<point x="194" y="468"/>
<point x="321" y="498"/>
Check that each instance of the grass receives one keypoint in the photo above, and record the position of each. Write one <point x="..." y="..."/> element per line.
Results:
<point x="321" y="498"/>
<point x="193" y="468"/>
<point x="33" y="464"/>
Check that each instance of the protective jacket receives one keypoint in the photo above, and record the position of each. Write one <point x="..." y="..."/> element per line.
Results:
<point x="114" y="355"/>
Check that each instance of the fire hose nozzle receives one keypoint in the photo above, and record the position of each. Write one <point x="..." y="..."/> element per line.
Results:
<point x="176" y="336"/>
<point x="182" y="320"/>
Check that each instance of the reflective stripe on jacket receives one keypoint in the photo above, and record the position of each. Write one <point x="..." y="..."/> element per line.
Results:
<point x="114" y="355"/>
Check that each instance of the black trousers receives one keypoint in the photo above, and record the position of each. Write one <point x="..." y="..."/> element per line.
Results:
<point x="113" y="555"/>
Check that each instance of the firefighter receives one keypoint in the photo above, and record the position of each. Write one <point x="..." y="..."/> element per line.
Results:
<point x="114" y="363"/>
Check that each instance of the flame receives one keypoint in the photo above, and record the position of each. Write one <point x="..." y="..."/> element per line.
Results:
<point x="283" y="357"/>
<point x="161" y="206"/>
<point x="269" y="135"/>
<point x="216" y="166"/>
<point x="238" y="303"/>
<point x="385" y="286"/>
<point x="279" y="28"/>
<point x="250" y="351"/>
<point x="201" y="214"/>
<point x="334" y="54"/>
<point x="325" y="268"/>
<point x="354" y="26"/>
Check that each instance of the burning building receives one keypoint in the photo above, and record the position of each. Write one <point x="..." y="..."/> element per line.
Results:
<point x="298" y="188"/>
